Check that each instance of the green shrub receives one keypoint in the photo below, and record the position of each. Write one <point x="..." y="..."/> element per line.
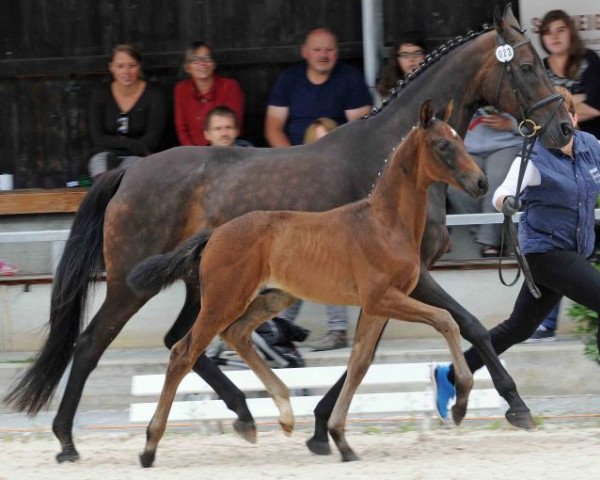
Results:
<point x="586" y="325"/>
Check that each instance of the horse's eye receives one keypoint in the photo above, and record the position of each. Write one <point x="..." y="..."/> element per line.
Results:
<point x="527" y="68"/>
<point x="443" y="145"/>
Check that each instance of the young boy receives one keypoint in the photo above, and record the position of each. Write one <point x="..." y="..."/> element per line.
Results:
<point x="221" y="128"/>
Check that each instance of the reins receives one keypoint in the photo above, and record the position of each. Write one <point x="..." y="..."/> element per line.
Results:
<point x="530" y="131"/>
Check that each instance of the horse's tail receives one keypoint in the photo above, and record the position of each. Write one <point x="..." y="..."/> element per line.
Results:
<point x="160" y="271"/>
<point x="81" y="262"/>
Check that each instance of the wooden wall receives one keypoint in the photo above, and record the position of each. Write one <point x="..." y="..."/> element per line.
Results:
<point x="54" y="52"/>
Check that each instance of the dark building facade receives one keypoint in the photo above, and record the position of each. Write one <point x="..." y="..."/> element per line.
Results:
<point x="54" y="52"/>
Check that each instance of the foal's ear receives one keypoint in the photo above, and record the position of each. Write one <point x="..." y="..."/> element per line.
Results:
<point x="426" y="114"/>
<point x="445" y="112"/>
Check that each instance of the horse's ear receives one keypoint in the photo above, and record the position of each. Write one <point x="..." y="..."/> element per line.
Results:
<point x="509" y="16"/>
<point x="445" y="112"/>
<point x="426" y="114"/>
<point x="498" y="20"/>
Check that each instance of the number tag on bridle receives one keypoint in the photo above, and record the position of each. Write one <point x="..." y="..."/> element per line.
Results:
<point x="505" y="53"/>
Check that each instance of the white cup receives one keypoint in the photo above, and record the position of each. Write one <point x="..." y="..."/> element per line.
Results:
<point x="6" y="181"/>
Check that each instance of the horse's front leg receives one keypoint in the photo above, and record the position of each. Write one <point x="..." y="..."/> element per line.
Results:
<point x="429" y="291"/>
<point x="396" y="304"/>
<point x="367" y="334"/>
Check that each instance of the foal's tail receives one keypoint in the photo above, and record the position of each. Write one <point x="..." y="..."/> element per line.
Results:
<point x="82" y="262"/>
<point x="160" y="271"/>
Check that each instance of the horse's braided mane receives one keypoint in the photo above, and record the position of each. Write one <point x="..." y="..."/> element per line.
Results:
<point x="431" y="58"/>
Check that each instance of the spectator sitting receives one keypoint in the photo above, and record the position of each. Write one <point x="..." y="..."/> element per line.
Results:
<point x="494" y="141"/>
<point x="127" y="117"/>
<point x="204" y="90"/>
<point x="221" y="128"/>
<point x="573" y="66"/>
<point x="404" y="56"/>
<point x="319" y="87"/>
<point x="337" y="315"/>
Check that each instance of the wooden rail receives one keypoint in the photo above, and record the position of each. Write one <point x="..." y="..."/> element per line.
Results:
<point x="31" y="201"/>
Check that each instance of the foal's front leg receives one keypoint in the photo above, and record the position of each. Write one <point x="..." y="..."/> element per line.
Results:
<point x="396" y="304"/>
<point x="368" y="330"/>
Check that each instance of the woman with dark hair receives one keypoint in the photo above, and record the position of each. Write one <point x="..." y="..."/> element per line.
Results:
<point x="403" y="57"/>
<point x="573" y="66"/>
<point x="127" y="116"/>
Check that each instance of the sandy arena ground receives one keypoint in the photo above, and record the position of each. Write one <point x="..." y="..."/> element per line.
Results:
<point x="552" y="452"/>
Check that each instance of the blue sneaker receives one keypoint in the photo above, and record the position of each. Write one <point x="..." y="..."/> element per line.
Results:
<point x="444" y="390"/>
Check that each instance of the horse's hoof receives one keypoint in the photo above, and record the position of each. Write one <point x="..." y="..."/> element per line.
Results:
<point x="317" y="447"/>
<point x="246" y="430"/>
<point x="521" y="419"/>
<point x="147" y="459"/>
<point x="458" y="414"/>
<point x="69" y="454"/>
<point x="349" y="456"/>
<point x="287" y="428"/>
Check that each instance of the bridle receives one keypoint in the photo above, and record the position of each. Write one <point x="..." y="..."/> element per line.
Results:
<point x="530" y="131"/>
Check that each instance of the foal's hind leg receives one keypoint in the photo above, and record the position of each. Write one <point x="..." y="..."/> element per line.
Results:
<point x="114" y="313"/>
<point x="206" y="368"/>
<point x="238" y="335"/>
<point x="367" y="334"/>
<point x="428" y="291"/>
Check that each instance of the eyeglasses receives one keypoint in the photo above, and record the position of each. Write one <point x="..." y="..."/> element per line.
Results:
<point x="206" y="59"/>
<point x="416" y="54"/>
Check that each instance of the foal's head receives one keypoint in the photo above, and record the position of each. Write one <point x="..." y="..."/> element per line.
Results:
<point x="442" y="154"/>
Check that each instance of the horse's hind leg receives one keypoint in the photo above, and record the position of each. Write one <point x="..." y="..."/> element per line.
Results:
<point x="238" y="335"/>
<point x="428" y="291"/>
<point x="114" y="313"/>
<point x="367" y="335"/>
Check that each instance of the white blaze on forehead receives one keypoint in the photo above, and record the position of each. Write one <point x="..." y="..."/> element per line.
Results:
<point x="453" y="132"/>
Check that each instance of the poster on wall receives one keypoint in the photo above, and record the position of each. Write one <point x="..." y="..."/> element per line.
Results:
<point x="585" y="14"/>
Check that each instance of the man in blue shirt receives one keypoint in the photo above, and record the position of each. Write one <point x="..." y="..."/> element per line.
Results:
<point x="318" y="87"/>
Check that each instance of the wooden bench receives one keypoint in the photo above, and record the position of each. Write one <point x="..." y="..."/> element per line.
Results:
<point x="32" y="201"/>
<point x="379" y="376"/>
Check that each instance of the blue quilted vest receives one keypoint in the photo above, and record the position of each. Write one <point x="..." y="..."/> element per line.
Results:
<point x="559" y="213"/>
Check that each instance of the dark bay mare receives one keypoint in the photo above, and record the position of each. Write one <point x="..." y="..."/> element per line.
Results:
<point x="365" y="253"/>
<point x="152" y="207"/>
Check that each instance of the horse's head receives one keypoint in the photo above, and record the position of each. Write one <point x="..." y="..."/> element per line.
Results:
<point x="515" y="81"/>
<point x="447" y="159"/>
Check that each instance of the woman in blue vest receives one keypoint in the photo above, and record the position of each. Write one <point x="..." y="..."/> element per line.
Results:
<point x="556" y="234"/>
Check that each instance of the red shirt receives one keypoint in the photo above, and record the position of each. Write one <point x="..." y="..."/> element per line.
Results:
<point x="191" y="107"/>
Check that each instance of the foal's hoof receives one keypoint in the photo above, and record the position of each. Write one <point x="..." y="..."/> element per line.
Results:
<point x="147" y="459"/>
<point x="458" y="413"/>
<point x="69" y="454"/>
<point x="287" y="428"/>
<point x="520" y="419"/>
<point x="318" y="447"/>
<point x="246" y="430"/>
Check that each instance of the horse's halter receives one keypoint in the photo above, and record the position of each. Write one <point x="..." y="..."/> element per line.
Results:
<point x="530" y="131"/>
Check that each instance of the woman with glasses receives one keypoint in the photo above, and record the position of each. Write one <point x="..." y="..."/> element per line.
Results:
<point x="573" y="66"/>
<point x="126" y="116"/>
<point x="200" y="93"/>
<point x="403" y="57"/>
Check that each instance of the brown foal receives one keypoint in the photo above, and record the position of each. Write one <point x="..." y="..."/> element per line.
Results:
<point x="365" y="253"/>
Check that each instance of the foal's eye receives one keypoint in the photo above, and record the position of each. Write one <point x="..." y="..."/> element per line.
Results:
<point x="443" y="145"/>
